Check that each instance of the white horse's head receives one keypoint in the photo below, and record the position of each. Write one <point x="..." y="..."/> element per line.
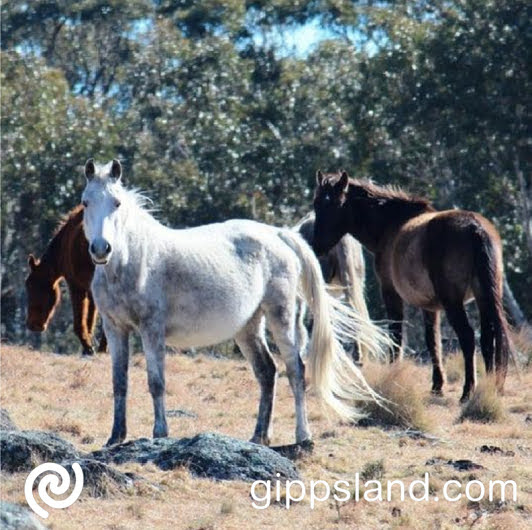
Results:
<point x="101" y="199"/>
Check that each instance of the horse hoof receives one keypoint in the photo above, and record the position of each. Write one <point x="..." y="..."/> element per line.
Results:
<point x="437" y="392"/>
<point x="260" y="440"/>
<point x="88" y="352"/>
<point x="114" y="441"/>
<point x="464" y="399"/>
<point x="160" y="432"/>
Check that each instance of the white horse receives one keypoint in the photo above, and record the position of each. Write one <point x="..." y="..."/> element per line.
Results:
<point x="201" y="286"/>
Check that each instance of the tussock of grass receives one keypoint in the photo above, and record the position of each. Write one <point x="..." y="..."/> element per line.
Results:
<point x="405" y="406"/>
<point x="454" y="367"/>
<point x="522" y="341"/>
<point x="485" y="405"/>
<point x="373" y="470"/>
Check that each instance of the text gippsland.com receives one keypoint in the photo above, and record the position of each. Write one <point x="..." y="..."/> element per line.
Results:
<point x="264" y="492"/>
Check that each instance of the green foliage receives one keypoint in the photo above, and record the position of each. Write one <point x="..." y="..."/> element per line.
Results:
<point x="215" y="119"/>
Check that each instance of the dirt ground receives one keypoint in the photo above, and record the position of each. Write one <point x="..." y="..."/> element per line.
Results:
<point x="73" y="397"/>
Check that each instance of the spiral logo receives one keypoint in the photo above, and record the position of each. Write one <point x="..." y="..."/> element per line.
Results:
<point x="58" y="486"/>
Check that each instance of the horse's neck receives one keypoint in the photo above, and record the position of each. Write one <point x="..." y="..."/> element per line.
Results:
<point x="383" y="218"/>
<point x="140" y="239"/>
<point x="52" y="257"/>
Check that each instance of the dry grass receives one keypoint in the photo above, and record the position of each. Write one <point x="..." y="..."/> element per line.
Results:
<point x="399" y="384"/>
<point x="485" y="405"/>
<point x="454" y="367"/>
<point x="74" y="396"/>
<point x="522" y="341"/>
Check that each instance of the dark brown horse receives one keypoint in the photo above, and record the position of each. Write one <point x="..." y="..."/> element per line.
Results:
<point x="430" y="259"/>
<point x="67" y="256"/>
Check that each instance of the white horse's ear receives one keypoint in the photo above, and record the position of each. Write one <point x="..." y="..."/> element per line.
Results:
<point x="116" y="169"/>
<point x="319" y="177"/>
<point x="344" y="181"/>
<point x="90" y="170"/>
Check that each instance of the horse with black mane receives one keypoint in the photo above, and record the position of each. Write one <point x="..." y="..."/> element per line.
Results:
<point x="430" y="259"/>
<point x="66" y="257"/>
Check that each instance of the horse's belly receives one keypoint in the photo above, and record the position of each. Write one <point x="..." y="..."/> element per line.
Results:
<point x="409" y="274"/>
<point x="211" y="331"/>
<point x="203" y="317"/>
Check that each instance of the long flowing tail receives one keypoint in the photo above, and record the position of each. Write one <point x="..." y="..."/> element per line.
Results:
<point x="489" y="271"/>
<point x="352" y="275"/>
<point x="337" y="380"/>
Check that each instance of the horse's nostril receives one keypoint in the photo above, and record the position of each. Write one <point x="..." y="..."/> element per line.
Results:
<point x="93" y="248"/>
<point x="107" y="248"/>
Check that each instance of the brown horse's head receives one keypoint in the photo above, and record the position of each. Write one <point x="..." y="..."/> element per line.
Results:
<point x="42" y="288"/>
<point x="331" y="217"/>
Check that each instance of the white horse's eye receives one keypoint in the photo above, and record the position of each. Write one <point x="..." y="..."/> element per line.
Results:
<point x="117" y="203"/>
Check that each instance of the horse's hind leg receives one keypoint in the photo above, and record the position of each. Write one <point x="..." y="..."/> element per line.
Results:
<point x="153" y="342"/>
<point x="252" y="342"/>
<point x="394" y="309"/>
<point x="458" y="320"/>
<point x="291" y="337"/>
<point x="433" y="340"/>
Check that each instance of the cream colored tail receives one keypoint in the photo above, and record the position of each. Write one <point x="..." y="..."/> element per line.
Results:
<point x="337" y="380"/>
<point x="353" y="272"/>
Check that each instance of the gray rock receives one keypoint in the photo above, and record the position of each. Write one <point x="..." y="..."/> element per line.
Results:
<point x="6" y="423"/>
<point x="209" y="455"/>
<point x="16" y="517"/>
<point x="23" y="450"/>
<point x="142" y="450"/>
<point x="99" y="479"/>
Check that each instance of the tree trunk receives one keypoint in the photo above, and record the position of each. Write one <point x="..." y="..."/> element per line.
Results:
<point x="515" y="313"/>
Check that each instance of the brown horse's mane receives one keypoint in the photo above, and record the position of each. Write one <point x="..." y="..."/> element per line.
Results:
<point x="53" y="250"/>
<point x="75" y="215"/>
<point x="391" y="192"/>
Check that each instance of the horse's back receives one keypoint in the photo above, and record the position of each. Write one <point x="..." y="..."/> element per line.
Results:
<point x="435" y="253"/>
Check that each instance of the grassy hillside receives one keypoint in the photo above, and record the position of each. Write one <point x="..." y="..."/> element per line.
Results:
<point x="73" y="397"/>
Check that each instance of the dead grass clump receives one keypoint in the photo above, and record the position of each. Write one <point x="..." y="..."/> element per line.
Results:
<point x="454" y="367"/>
<point x="373" y="470"/>
<point x="404" y="406"/>
<point x="485" y="405"/>
<point x="522" y="341"/>
<point x="64" y="426"/>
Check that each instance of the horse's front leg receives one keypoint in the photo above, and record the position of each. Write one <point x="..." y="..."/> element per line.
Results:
<point x="153" y="341"/>
<point x="118" y="341"/>
<point x="394" y="309"/>
<point x="80" y="305"/>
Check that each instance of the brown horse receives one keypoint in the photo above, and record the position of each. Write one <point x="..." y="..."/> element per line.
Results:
<point x="343" y="267"/>
<point x="430" y="259"/>
<point x="67" y="256"/>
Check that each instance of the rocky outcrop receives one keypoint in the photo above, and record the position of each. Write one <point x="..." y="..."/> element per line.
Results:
<point x="6" y="423"/>
<point x="209" y="455"/>
<point x="16" y="517"/>
<point x="23" y="450"/>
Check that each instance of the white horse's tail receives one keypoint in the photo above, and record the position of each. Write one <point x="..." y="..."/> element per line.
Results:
<point x="337" y="380"/>
<point x="353" y="273"/>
